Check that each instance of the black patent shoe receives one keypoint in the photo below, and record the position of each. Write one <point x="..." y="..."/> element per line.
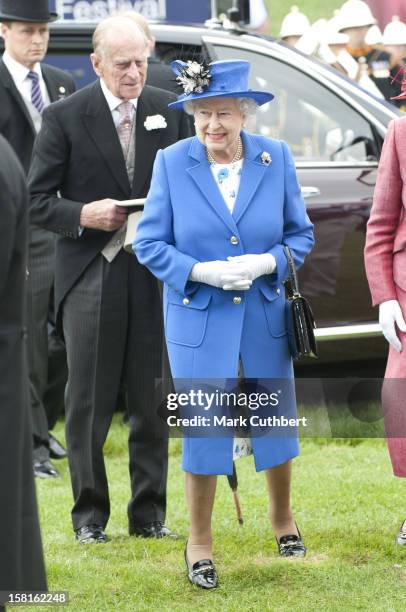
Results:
<point x="202" y="574"/>
<point x="152" y="530"/>
<point x="45" y="469"/>
<point x="291" y="545"/>
<point x="91" y="534"/>
<point x="401" y="535"/>
<point x="56" y="450"/>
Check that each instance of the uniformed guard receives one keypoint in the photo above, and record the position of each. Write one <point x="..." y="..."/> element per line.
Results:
<point x="355" y="20"/>
<point x="394" y="41"/>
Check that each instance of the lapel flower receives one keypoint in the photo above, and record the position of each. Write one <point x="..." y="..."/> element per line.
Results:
<point x="195" y="78"/>
<point x="155" y="122"/>
<point x="266" y="158"/>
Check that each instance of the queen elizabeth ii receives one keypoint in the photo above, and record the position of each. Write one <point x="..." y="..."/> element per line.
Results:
<point x="221" y="206"/>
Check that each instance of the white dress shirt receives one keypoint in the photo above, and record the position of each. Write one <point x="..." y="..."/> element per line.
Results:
<point x="19" y="74"/>
<point x="113" y="102"/>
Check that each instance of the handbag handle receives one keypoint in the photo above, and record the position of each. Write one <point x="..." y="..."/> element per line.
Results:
<point x="292" y="271"/>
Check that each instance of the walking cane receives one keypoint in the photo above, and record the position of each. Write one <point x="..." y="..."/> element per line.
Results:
<point x="233" y="482"/>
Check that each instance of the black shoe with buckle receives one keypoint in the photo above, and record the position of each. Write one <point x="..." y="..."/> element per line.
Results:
<point x="91" y="534"/>
<point x="291" y="545"/>
<point x="401" y="535"/>
<point x="151" y="530"/>
<point x="202" y="573"/>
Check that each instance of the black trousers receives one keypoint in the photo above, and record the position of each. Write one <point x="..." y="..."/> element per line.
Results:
<point x="46" y="351"/>
<point x="112" y="322"/>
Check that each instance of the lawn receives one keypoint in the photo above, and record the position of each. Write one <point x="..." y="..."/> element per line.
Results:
<point x="347" y="504"/>
<point x="314" y="9"/>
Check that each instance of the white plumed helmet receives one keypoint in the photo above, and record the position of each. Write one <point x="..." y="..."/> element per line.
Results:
<point x="294" y="23"/>
<point x="355" y="14"/>
<point x="395" y="32"/>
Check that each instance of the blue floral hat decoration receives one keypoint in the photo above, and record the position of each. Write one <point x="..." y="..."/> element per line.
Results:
<point x="226" y="78"/>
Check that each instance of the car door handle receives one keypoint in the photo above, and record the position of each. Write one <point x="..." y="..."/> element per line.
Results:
<point x="310" y="192"/>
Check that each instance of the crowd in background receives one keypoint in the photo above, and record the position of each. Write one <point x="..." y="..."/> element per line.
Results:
<point x="352" y="42"/>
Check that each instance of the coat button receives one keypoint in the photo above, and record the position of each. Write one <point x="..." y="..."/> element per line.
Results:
<point x="237" y="300"/>
<point x="278" y="291"/>
<point x="186" y="301"/>
<point x="234" y="240"/>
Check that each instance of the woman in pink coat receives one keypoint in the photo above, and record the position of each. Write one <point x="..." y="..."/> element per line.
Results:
<point x="385" y="262"/>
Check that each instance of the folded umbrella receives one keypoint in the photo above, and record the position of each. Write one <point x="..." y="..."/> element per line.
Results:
<point x="233" y="482"/>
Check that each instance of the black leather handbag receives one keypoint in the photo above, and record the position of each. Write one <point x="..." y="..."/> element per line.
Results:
<point x="300" y="322"/>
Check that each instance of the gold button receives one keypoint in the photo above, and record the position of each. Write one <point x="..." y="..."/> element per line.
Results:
<point x="234" y="240"/>
<point x="237" y="300"/>
<point x="186" y="301"/>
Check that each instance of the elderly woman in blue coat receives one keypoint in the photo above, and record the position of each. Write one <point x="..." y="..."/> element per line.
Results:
<point x="220" y="208"/>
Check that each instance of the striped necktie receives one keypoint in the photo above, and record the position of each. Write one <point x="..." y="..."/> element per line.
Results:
<point x="36" y="95"/>
<point x="125" y="125"/>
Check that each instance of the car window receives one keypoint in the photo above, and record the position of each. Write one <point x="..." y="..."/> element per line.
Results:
<point x="167" y="52"/>
<point x="317" y="125"/>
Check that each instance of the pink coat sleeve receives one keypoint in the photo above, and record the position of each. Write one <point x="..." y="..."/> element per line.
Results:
<point x="385" y="215"/>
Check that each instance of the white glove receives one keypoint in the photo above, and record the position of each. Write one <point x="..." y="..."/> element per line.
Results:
<point x="222" y="274"/>
<point x="252" y="266"/>
<point x="389" y="314"/>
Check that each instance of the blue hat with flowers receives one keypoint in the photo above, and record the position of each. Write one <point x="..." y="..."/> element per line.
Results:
<point x="226" y="78"/>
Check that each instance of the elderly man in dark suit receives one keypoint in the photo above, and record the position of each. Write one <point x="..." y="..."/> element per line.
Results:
<point x="21" y="561"/>
<point x="97" y="148"/>
<point x="26" y="87"/>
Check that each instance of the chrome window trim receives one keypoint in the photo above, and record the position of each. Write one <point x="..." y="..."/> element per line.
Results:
<point x="342" y="332"/>
<point x="321" y="164"/>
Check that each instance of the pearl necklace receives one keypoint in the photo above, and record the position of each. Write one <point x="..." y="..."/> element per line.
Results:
<point x="237" y="156"/>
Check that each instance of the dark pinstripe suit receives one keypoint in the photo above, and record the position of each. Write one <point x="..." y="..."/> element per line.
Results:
<point x="110" y="312"/>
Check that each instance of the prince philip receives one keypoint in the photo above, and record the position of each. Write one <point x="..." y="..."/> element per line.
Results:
<point x="97" y="148"/>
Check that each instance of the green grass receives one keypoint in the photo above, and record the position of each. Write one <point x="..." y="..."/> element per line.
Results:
<point x="346" y="502"/>
<point x="314" y="9"/>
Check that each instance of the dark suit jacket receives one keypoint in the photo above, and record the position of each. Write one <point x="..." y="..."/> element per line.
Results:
<point x="78" y="152"/>
<point x="15" y="121"/>
<point x="21" y="562"/>
<point x="161" y="75"/>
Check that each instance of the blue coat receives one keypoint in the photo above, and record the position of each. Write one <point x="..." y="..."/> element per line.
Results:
<point x="207" y="330"/>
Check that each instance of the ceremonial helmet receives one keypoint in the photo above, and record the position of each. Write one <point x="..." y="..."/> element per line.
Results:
<point x="294" y="23"/>
<point x="355" y="14"/>
<point x="374" y="36"/>
<point x="395" y="32"/>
